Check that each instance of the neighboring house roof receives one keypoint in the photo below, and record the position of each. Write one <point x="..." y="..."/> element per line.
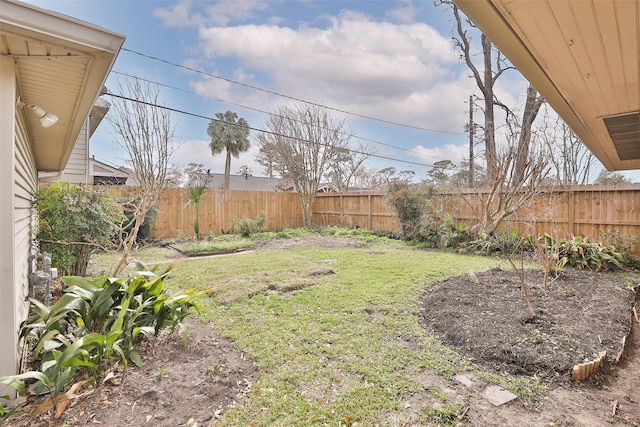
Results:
<point x="241" y="182"/>
<point x="583" y="57"/>
<point x="327" y="187"/>
<point x="99" y="110"/>
<point x="62" y="63"/>
<point x="104" y="174"/>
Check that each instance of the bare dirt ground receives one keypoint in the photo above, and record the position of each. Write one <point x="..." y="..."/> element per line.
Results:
<point x="579" y="315"/>
<point x="191" y="379"/>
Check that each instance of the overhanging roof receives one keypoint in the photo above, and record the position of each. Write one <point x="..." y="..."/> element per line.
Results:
<point x="583" y="57"/>
<point x="61" y="65"/>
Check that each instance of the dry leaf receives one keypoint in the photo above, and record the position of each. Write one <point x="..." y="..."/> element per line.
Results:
<point x="61" y="404"/>
<point x="42" y="408"/>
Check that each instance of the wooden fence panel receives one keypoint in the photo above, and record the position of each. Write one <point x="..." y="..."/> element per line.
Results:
<point x="586" y="211"/>
<point x="219" y="210"/>
<point x="365" y="210"/>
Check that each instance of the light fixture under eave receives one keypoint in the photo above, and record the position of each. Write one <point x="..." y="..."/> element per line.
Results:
<point x="46" y="119"/>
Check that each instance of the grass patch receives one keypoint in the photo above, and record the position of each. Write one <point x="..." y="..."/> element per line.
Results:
<point x="220" y="244"/>
<point x="527" y="390"/>
<point x="334" y="332"/>
<point x="333" y="346"/>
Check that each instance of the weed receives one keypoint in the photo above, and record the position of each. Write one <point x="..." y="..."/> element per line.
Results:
<point x="247" y="226"/>
<point x="446" y="416"/>
<point x="527" y="390"/>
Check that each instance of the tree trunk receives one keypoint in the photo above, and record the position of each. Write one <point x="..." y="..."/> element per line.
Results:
<point x="531" y="109"/>
<point x="489" y="119"/>
<point x="227" y="170"/>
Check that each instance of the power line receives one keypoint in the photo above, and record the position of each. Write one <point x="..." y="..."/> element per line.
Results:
<point x="251" y="108"/>
<point x="126" y="98"/>
<point x="289" y="96"/>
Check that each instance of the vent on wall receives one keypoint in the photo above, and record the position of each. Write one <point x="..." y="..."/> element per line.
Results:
<point x="624" y="131"/>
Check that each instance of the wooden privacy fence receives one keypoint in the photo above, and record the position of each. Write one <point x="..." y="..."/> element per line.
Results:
<point x="588" y="211"/>
<point x="220" y="210"/>
<point x="563" y="211"/>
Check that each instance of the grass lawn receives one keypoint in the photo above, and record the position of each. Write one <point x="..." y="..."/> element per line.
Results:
<point x="334" y="332"/>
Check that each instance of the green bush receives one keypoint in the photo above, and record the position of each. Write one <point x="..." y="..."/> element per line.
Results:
<point x="505" y="243"/>
<point x="94" y="321"/>
<point x="247" y="226"/>
<point x="451" y="235"/>
<point x="410" y="205"/>
<point x="583" y="253"/>
<point x="73" y="221"/>
<point x="144" y="233"/>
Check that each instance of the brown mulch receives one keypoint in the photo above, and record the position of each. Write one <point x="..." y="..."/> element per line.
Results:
<point x="486" y="318"/>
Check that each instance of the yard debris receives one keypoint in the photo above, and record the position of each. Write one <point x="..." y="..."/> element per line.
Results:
<point x="498" y="396"/>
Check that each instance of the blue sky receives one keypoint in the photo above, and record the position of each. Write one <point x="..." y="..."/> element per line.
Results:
<point x="391" y="60"/>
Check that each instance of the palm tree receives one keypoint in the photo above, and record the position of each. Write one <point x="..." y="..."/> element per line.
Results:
<point x="228" y="133"/>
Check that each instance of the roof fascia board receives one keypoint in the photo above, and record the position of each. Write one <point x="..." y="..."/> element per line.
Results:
<point x="486" y="15"/>
<point x="56" y="26"/>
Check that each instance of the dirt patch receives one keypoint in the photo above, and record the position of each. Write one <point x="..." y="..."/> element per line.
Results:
<point x="197" y="376"/>
<point x="578" y="315"/>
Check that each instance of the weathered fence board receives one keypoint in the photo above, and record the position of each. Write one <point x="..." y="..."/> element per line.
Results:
<point x="220" y="210"/>
<point x="564" y="211"/>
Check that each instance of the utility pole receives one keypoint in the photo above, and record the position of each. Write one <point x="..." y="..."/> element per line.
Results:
<point x="471" y="135"/>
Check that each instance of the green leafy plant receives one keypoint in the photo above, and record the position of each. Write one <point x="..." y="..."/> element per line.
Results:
<point x="410" y="203"/>
<point x="247" y="226"/>
<point x="583" y="253"/>
<point x="504" y="242"/>
<point x="5" y="412"/>
<point x="548" y="253"/>
<point x="72" y="221"/>
<point x="194" y="195"/>
<point x="94" y="321"/>
<point x="450" y="234"/>
<point x="622" y="242"/>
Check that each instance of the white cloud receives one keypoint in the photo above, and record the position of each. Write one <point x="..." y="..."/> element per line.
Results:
<point x="406" y="73"/>
<point x="183" y="13"/>
<point x="455" y="153"/>
<point x="406" y="12"/>
<point x="198" y="151"/>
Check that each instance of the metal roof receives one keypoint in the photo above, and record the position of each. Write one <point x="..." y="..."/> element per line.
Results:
<point x="583" y="57"/>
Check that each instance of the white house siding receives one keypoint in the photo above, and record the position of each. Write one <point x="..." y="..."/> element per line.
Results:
<point x="17" y="183"/>
<point x="25" y="186"/>
<point x="76" y="170"/>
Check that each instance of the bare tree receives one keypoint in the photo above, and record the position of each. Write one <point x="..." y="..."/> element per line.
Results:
<point x="570" y="158"/>
<point x="345" y="167"/>
<point x="145" y="133"/>
<point x="512" y="189"/>
<point x="367" y="177"/>
<point x="485" y="79"/>
<point x="304" y="141"/>
<point x="531" y="108"/>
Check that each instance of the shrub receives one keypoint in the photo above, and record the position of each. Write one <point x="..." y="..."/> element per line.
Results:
<point x="506" y="243"/>
<point x="72" y="221"/>
<point x="623" y="243"/>
<point x="582" y="253"/>
<point x="144" y="232"/>
<point x="451" y="235"/>
<point x="94" y="321"/>
<point x="409" y="205"/>
<point x="247" y="226"/>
